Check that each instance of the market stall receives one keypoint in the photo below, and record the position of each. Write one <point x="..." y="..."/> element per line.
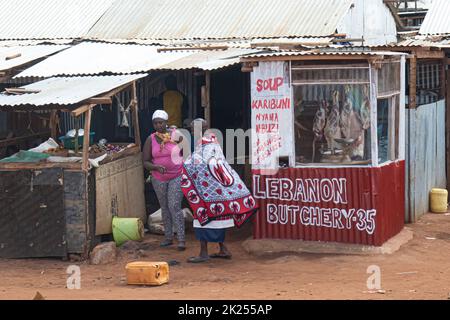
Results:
<point x="59" y="197"/>
<point x="328" y="145"/>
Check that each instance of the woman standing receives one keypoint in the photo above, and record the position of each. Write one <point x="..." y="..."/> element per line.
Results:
<point x="162" y="157"/>
<point x="218" y="197"/>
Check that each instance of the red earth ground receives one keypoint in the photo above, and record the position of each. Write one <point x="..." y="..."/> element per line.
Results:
<point x="419" y="270"/>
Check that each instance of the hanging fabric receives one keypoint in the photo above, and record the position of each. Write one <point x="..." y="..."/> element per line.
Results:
<point x="124" y="111"/>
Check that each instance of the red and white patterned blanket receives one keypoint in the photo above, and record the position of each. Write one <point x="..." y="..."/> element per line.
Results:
<point x="213" y="189"/>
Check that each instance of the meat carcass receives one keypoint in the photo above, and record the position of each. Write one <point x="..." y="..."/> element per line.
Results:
<point x="364" y="113"/>
<point x="346" y="114"/>
<point x="332" y="129"/>
<point x="320" y="119"/>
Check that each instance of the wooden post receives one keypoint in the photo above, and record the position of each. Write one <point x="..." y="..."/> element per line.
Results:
<point x="87" y="129"/>
<point x="135" y="112"/>
<point x="412" y="82"/>
<point x="77" y="127"/>
<point x="374" y="115"/>
<point x="53" y="124"/>
<point x="208" y="98"/>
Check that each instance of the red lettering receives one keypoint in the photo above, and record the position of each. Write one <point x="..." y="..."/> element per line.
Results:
<point x="259" y="85"/>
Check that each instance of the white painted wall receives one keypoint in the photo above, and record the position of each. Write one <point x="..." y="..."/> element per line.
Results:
<point x="370" y="19"/>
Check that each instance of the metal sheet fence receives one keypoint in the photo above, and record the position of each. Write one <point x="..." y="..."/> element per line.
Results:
<point x="425" y="156"/>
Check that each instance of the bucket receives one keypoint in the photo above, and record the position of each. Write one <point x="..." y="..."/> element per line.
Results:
<point x="125" y="229"/>
<point x="438" y="200"/>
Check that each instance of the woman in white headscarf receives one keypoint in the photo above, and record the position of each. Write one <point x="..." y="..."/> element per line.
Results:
<point x="162" y="157"/>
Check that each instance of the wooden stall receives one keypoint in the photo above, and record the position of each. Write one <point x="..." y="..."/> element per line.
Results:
<point x="63" y="202"/>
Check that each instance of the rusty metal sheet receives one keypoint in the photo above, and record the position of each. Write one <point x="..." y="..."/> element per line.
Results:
<point x="32" y="221"/>
<point x="349" y="205"/>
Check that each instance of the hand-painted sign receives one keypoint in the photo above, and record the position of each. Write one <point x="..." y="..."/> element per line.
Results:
<point x="305" y="201"/>
<point x="271" y="113"/>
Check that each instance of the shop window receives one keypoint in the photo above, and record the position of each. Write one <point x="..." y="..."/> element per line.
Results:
<point x="388" y="101"/>
<point x="388" y="128"/>
<point x="332" y="114"/>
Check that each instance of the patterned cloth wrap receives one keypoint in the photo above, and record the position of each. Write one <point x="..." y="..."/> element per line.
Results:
<point x="214" y="190"/>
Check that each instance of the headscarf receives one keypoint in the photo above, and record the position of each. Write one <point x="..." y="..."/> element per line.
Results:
<point x="160" y="114"/>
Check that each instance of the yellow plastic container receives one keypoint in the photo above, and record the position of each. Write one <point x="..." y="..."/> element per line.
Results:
<point x="438" y="200"/>
<point x="147" y="273"/>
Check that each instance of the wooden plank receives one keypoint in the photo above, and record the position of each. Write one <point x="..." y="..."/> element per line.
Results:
<point x="412" y="83"/>
<point x="13" y="56"/>
<point x="119" y="189"/>
<point x="20" y="90"/>
<point x="442" y="80"/>
<point x="53" y="124"/>
<point x="312" y="57"/>
<point x="99" y="100"/>
<point x="87" y="130"/>
<point x="43" y="165"/>
<point x="192" y="48"/>
<point x="119" y="155"/>
<point x="430" y="54"/>
<point x="77" y="112"/>
<point x="135" y="113"/>
<point x="117" y="90"/>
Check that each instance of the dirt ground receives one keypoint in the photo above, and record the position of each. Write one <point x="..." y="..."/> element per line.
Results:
<point x="419" y="270"/>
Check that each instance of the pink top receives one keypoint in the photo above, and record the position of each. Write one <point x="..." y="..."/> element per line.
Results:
<point x="169" y="157"/>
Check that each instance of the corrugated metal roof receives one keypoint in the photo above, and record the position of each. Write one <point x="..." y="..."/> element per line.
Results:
<point x="191" y="19"/>
<point x="66" y="91"/>
<point x="27" y="54"/>
<point x="91" y="58"/>
<point x="323" y="53"/>
<point x="441" y="43"/>
<point x="437" y="19"/>
<point x="421" y="41"/>
<point x="230" y="43"/>
<point x="48" y="19"/>
<point x="22" y="43"/>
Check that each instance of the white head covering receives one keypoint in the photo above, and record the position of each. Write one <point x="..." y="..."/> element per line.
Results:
<point x="160" y="114"/>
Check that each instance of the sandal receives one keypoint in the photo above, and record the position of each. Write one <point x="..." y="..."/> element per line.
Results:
<point x="197" y="259"/>
<point x="220" y="256"/>
<point x="166" y="243"/>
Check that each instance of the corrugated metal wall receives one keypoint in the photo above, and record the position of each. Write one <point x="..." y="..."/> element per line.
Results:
<point x="380" y="189"/>
<point x="425" y="156"/>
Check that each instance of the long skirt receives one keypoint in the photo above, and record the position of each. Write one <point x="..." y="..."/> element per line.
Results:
<point x="210" y="235"/>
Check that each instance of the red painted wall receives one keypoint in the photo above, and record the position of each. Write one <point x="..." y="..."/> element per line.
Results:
<point x="350" y="205"/>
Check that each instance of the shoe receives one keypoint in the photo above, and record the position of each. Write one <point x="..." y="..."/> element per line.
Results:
<point x="198" y="259"/>
<point x="166" y="243"/>
<point x="220" y="256"/>
<point x="181" y="246"/>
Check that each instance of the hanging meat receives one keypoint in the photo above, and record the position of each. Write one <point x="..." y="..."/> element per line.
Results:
<point x="332" y="129"/>
<point x="346" y="113"/>
<point x="320" y="119"/>
<point x="364" y="113"/>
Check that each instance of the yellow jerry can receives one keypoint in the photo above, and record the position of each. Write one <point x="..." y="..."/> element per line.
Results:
<point x="147" y="273"/>
<point x="438" y="200"/>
